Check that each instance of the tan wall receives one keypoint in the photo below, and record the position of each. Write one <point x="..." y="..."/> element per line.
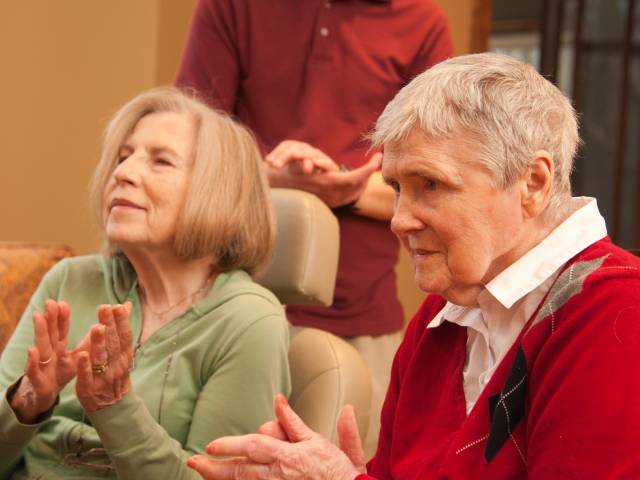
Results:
<point x="66" y="67"/>
<point x="459" y="13"/>
<point x="173" y="27"/>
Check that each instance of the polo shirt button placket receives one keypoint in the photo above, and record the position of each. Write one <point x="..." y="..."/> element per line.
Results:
<point x="324" y="32"/>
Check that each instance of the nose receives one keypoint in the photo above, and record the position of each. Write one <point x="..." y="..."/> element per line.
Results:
<point x="128" y="170"/>
<point x="405" y="219"/>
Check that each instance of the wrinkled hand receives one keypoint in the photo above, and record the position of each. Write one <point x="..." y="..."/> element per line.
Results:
<point x="103" y="371"/>
<point x="334" y="187"/>
<point x="307" y="455"/>
<point x="301" y="156"/>
<point x="49" y="365"/>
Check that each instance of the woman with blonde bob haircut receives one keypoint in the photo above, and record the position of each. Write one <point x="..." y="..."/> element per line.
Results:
<point x="167" y="336"/>
<point x="227" y="209"/>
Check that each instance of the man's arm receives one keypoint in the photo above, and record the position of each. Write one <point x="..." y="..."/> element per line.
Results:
<point x="210" y="63"/>
<point x="377" y="200"/>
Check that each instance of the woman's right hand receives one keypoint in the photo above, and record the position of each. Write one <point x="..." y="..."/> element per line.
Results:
<point x="286" y="449"/>
<point x="49" y="365"/>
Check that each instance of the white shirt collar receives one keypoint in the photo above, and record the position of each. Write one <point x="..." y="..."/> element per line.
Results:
<point x="582" y="228"/>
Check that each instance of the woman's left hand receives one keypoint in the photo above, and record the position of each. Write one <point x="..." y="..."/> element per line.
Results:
<point x="103" y="371"/>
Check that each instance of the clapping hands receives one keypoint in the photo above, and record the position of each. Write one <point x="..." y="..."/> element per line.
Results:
<point x="101" y="360"/>
<point x="50" y="365"/>
<point x="286" y="449"/>
<point x="103" y="371"/>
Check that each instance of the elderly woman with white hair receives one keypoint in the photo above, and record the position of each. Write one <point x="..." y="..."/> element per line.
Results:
<point x="182" y="344"/>
<point x="524" y="361"/>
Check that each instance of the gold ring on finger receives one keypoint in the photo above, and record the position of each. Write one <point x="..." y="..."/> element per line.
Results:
<point x="100" y="369"/>
<point x="47" y="361"/>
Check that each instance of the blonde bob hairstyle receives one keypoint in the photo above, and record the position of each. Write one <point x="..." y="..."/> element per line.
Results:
<point x="227" y="212"/>
<point x="504" y="106"/>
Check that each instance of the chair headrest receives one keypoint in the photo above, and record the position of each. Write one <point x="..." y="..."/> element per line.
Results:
<point x="305" y="258"/>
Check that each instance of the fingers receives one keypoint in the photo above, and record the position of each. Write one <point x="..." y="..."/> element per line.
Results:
<point x="291" y="423"/>
<point x="112" y="341"/>
<point x="311" y="158"/>
<point x="365" y="171"/>
<point x="103" y="370"/>
<point x="287" y="151"/>
<point x="323" y="162"/>
<point x="123" y="327"/>
<point x="258" y="448"/>
<point x="84" y="381"/>
<point x="226" y="468"/>
<point x="51" y="315"/>
<point x="273" y="429"/>
<point x="42" y="339"/>
<point x="307" y="166"/>
<point x="64" y="321"/>
<point x="349" y="436"/>
<point x="98" y="347"/>
<point x="32" y="368"/>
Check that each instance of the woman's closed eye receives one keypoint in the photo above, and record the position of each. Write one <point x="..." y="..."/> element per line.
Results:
<point x="122" y="156"/>
<point x="162" y="162"/>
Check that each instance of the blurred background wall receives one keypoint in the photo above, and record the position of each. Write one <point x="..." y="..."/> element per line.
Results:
<point x="66" y="67"/>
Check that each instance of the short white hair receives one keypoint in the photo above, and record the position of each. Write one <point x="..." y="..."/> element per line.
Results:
<point x="503" y="104"/>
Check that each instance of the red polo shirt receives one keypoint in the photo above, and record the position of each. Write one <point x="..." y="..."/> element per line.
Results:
<point x="321" y="72"/>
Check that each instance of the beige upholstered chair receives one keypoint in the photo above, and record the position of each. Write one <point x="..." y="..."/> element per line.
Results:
<point x="326" y="372"/>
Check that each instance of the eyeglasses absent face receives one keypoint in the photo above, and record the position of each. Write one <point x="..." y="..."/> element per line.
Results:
<point x="147" y="189"/>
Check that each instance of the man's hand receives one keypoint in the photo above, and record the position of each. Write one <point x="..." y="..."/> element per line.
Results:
<point x="305" y="455"/>
<point x="302" y="156"/>
<point x="333" y="187"/>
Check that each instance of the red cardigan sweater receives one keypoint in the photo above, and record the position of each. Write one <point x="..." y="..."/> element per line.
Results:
<point x="563" y="403"/>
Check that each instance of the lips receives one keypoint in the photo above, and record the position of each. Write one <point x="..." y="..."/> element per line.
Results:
<point x="123" y="202"/>
<point x="422" y="254"/>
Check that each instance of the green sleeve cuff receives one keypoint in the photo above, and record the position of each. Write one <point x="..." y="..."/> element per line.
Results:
<point x="128" y="415"/>
<point x="12" y="430"/>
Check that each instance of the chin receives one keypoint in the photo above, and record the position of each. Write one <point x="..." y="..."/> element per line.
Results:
<point x="466" y="296"/>
<point x="430" y="284"/>
<point x="121" y="239"/>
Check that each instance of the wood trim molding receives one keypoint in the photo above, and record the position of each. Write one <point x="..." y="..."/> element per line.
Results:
<point x="480" y="26"/>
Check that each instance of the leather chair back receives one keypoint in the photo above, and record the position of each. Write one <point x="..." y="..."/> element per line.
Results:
<point x="326" y="372"/>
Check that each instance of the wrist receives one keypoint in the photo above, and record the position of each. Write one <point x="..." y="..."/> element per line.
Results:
<point x="352" y="206"/>
<point x="27" y="407"/>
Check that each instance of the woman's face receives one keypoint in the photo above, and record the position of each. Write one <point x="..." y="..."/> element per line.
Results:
<point x="459" y="229"/>
<point x="145" y="194"/>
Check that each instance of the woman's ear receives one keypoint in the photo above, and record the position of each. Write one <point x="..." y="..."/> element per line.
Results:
<point x="536" y="184"/>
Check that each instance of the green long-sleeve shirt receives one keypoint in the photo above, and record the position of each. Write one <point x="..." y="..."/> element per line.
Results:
<point x="212" y="371"/>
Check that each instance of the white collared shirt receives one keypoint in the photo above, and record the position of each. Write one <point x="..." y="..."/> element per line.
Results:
<point x="507" y="301"/>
